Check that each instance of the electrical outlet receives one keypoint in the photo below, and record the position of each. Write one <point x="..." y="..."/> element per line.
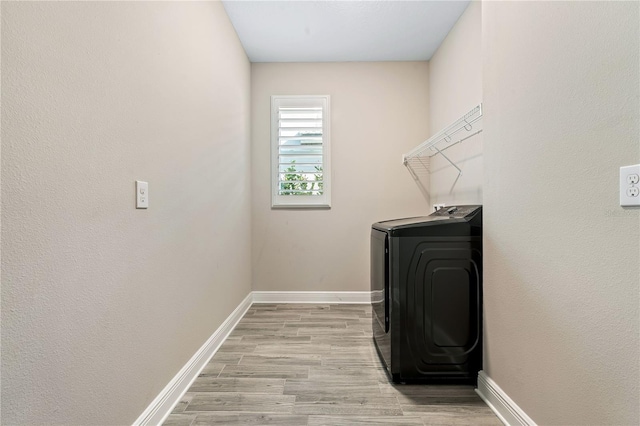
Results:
<point x="142" y="194"/>
<point x="437" y="207"/>
<point x="630" y="186"/>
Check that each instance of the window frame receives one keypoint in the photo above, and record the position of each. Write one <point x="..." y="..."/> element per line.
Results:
<point x="300" y="201"/>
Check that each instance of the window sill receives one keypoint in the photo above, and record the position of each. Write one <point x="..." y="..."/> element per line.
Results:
<point x="301" y="207"/>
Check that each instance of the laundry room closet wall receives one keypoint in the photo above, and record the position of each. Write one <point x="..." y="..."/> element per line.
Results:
<point x="102" y="304"/>
<point x="378" y="111"/>
<point x="561" y="83"/>
<point x="455" y="87"/>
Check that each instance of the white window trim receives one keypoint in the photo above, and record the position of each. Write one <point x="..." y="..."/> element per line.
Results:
<point x="301" y="201"/>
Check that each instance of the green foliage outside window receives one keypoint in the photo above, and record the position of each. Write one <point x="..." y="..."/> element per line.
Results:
<point x="298" y="183"/>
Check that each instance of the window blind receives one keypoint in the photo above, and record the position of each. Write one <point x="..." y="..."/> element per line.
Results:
<point x="300" y="151"/>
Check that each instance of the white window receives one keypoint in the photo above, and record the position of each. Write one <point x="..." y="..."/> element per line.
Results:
<point x="300" y="166"/>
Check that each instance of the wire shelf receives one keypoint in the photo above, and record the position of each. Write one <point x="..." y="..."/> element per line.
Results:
<point x="445" y="139"/>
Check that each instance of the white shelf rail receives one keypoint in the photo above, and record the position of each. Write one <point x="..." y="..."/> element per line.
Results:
<point x="445" y="139"/>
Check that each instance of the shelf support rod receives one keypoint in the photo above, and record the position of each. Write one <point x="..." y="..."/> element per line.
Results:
<point x="450" y="162"/>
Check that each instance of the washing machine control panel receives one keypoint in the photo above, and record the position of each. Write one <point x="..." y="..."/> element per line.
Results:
<point x="455" y="211"/>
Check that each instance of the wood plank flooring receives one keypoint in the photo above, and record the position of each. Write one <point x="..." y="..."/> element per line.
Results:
<point x="314" y="365"/>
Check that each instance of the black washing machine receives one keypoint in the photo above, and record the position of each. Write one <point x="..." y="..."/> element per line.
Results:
<point x="426" y="291"/>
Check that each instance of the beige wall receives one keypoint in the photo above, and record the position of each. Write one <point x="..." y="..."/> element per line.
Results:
<point x="378" y="112"/>
<point x="102" y="304"/>
<point x="561" y="96"/>
<point x="455" y="87"/>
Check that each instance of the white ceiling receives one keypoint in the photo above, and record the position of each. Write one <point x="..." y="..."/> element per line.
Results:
<point x="342" y="31"/>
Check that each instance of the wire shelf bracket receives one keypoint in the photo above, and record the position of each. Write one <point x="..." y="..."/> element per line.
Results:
<point x="445" y="139"/>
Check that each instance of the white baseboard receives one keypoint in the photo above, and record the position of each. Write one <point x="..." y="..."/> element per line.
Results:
<point x="162" y="406"/>
<point x="360" y="297"/>
<point x="507" y="411"/>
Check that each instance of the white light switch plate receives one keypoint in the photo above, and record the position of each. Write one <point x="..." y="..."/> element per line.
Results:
<point x="630" y="186"/>
<point x="142" y="194"/>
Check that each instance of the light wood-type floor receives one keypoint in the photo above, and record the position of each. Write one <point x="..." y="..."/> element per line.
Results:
<point x="315" y="365"/>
